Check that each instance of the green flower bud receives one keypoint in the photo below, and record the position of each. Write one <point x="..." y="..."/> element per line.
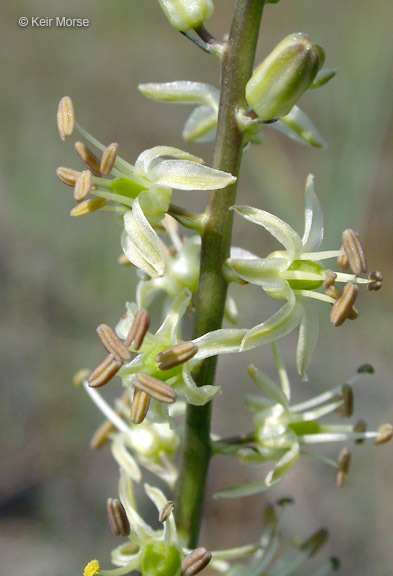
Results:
<point x="185" y="14"/>
<point x="283" y="76"/>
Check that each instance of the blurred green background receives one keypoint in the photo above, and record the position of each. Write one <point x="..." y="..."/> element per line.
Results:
<point x="60" y="277"/>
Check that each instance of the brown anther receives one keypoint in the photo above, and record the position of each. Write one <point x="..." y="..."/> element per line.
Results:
<point x="385" y="433"/>
<point x="108" y="159"/>
<point x="344" y="460"/>
<point x="354" y="251"/>
<point x="315" y="542"/>
<point x="195" y="561"/>
<point x="88" y="206"/>
<point x="342" y="261"/>
<point x="155" y="388"/>
<point x="166" y="511"/>
<point x="83" y="186"/>
<point x="88" y="158"/>
<point x="376" y="281"/>
<point x="112" y="343"/>
<point x="67" y="175"/>
<point x="138" y="330"/>
<point x="65" y="117"/>
<point x="105" y="371"/>
<point x="342" y="307"/>
<point x="101" y="435"/>
<point x="330" y="278"/>
<point x="346" y="409"/>
<point x="117" y="517"/>
<point x="140" y="406"/>
<point x="332" y="292"/>
<point x="360" y="428"/>
<point x="123" y="260"/>
<point x="176" y="355"/>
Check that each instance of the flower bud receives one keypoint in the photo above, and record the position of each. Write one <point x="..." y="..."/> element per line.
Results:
<point x="283" y="76"/>
<point x="185" y="14"/>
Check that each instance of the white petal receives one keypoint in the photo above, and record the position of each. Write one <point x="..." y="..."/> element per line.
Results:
<point x="186" y="175"/>
<point x="224" y="341"/>
<point x="308" y="336"/>
<point x="277" y="228"/>
<point x="149" y="157"/>
<point x="241" y="490"/>
<point x="268" y="386"/>
<point x="257" y="270"/>
<point x="298" y="126"/>
<point x="124" y="459"/>
<point x="141" y="244"/>
<point x="201" y="124"/>
<point x="182" y="92"/>
<point x="279" y="325"/>
<point x="313" y="219"/>
<point x="169" y="329"/>
<point x="284" y="464"/>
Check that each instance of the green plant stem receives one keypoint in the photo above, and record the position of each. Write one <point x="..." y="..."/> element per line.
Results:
<point x="237" y="66"/>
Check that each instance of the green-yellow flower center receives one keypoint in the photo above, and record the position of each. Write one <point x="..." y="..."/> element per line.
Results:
<point x="160" y="560"/>
<point x="306" y="267"/>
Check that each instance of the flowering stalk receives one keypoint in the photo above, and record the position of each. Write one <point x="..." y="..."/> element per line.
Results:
<point x="237" y="66"/>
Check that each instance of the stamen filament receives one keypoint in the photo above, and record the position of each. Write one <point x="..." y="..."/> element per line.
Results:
<point x="325" y="255"/>
<point x="334" y="437"/>
<point x="106" y="409"/>
<point x="315" y="295"/>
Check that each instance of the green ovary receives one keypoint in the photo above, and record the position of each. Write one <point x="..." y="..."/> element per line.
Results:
<point x="160" y="560"/>
<point x="308" y="267"/>
<point x="125" y="187"/>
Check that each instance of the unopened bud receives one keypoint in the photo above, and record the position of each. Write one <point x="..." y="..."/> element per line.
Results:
<point x="344" y="460"/>
<point x="65" y="117"/>
<point x="108" y="159"/>
<point x="83" y="186"/>
<point x="342" y="307"/>
<point x="89" y="159"/>
<point x="105" y="371"/>
<point x="354" y="251"/>
<point x="155" y="388"/>
<point x="112" y="343"/>
<point x="185" y="14"/>
<point x="277" y="84"/>
<point x="196" y="561"/>
<point x="140" y="406"/>
<point x="385" y="433"/>
<point x="176" y="355"/>
<point x="166" y="511"/>
<point x="117" y="517"/>
<point x="137" y="332"/>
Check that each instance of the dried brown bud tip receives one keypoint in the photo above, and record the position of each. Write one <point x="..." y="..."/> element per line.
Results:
<point x="360" y="428"/>
<point x="342" y="261"/>
<point x="89" y="159"/>
<point x="117" y="517"/>
<point x="344" y="460"/>
<point x="330" y="278"/>
<point x="83" y="186"/>
<point x="138" y="329"/>
<point x="376" y="281"/>
<point x="342" y="307"/>
<point x="166" y="511"/>
<point x="123" y="260"/>
<point x="176" y="355"/>
<point x="155" y="388"/>
<point x="105" y="371"/>
<point x="108" y="159"/>
<point x="65" y="117"/>
<point x="67" y="175"/>
<point x="196" y="561"/>
<point x="140" y="406"/>
<point x="385" y="433"/>
<point x="354" y="251"/>
<point x="112" y="343"/>
<point x="88" y="206"/>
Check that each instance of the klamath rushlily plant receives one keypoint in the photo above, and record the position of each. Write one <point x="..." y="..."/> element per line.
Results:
<point x="283" y="432"/>
<point x="140" y="193"/>
<point x="296" y="275"/>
